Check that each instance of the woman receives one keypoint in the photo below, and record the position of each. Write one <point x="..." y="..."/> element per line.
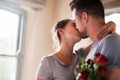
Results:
<point x="61" y="64"/>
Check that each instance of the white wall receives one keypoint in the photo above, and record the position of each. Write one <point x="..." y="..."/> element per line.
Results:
<point x="63" y="10"/>
<point x="37" y="39"/>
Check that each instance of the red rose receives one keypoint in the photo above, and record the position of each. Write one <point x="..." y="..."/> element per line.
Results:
<point x="83" y="75"/>
<point x="102" y="70"/>
<point x="100" y="59"/>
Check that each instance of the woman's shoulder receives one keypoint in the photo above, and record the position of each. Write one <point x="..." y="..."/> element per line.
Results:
<point x="47" y="56"/>
<point x="47" y="59"/>
<point x="45" y="70"/>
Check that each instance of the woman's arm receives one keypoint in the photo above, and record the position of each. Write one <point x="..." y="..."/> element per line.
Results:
<point x="109" y="28"/>
<point x="44" y="70"/>
<point x="87" y="49"/>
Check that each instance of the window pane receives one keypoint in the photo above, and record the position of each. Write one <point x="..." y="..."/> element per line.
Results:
<point x="116" y="18"/>
<point x="8" y="68"/>
<point x="9" y="25"/>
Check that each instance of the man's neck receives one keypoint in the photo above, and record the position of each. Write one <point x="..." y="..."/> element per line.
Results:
<point x="95" y="28"/>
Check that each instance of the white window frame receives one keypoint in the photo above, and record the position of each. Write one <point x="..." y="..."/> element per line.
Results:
<point x="16" y="9"/>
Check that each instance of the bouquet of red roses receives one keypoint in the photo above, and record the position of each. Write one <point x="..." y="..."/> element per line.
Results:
<point x="92" y="69"/>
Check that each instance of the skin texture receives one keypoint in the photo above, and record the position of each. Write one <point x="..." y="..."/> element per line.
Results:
<point x="69" y="37"/>
<point x="87" y="24"/>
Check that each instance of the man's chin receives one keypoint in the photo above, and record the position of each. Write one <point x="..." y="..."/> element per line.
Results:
<point x="84" y="36"/>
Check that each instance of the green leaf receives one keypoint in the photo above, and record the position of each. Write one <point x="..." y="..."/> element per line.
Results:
<point x="82" y="60"/>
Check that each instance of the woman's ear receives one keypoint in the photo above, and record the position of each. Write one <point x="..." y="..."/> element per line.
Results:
<point x="60" y="31"/>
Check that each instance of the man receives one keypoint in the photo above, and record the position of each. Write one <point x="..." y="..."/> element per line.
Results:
<point x="89" y="17"/>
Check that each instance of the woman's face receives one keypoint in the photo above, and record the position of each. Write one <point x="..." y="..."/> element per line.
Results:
<point x="71" y="32"/>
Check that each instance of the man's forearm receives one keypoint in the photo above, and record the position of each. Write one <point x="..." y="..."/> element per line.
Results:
<point x="113" y="74"/>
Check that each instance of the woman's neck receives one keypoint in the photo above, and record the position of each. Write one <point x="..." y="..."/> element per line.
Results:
<point x="65" y="53"/>
<point x="66" y="50"/>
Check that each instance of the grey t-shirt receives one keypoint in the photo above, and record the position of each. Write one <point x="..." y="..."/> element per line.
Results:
<point x="52" y="68"/>
<point x="110" y="47"/>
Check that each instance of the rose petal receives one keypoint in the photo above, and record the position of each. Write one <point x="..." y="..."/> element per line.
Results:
<point x="100" y="59"/>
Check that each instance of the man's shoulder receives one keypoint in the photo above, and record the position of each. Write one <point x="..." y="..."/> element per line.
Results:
<point x="111" y="39"/>
<point x="112" y="36"/>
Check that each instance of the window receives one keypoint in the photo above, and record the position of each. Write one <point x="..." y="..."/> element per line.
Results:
<point x="11" y="29"/>
<point x="116" y="18"/>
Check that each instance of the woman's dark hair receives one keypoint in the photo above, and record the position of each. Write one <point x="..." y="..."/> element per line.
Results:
<point x="61" y="24"/>
<point x="92" y="7"/>
<point x="56" y="35"/>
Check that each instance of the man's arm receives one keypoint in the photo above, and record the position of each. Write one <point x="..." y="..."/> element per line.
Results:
<point x="113" y="74"/>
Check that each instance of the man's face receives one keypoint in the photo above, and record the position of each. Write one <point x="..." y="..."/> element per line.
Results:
<point x="80" y="25"/>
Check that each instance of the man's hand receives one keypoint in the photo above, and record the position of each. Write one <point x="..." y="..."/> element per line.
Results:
<point x="113" y="74"/>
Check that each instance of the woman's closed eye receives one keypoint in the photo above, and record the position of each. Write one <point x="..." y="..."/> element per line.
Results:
<point x="74" y="24"/>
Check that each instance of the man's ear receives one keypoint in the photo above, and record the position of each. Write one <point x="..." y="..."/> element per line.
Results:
<point x="85" y="17"/>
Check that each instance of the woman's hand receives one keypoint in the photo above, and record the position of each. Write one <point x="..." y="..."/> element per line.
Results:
<point x="109" y="28"/>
